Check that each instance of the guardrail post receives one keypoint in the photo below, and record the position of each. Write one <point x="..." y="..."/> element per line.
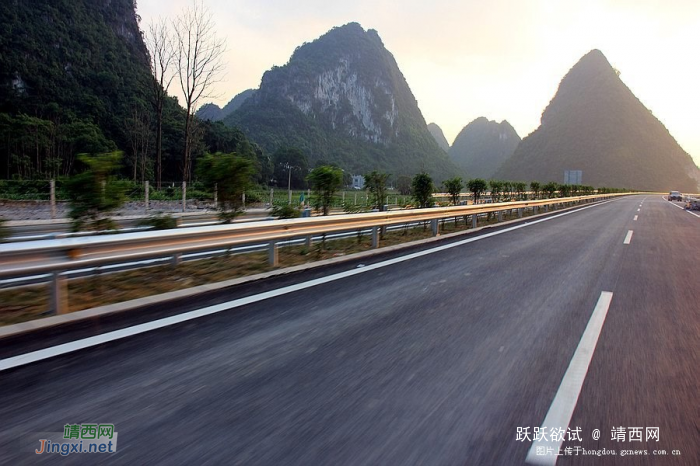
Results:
<point x="309" y="240"/>
<point x="59" y="294"/>
<point x="243" y="200"/>
<point x="177" y="258"/>
<point x="546" y="208"/>
<point x="52" y="188"/>
<point x="521" y="212"/>
<point x="273" y="254"/>
<point x="375" y="237"/>
<point x="474" y="220"/>
<point x="434" y="226"/>
<point x="499" y="216"/>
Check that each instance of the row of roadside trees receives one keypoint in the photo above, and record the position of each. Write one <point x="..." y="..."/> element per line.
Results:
<point x="96" y="192"/>
<point x="422" y="190"/>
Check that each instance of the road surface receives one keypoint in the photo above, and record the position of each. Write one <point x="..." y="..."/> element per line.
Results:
<point x="445" y="358"/>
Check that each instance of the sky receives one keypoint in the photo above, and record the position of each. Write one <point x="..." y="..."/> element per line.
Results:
<point x="502" y="59"/>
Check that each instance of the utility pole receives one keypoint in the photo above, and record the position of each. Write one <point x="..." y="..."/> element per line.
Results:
<point x="289" y="168"/>
<point x="289" y="184"/>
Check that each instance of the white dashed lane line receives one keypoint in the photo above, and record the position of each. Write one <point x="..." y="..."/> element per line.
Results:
<point x="628" y="238"/>
<point x="564" y="403"/>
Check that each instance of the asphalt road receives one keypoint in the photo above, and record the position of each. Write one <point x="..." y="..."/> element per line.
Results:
<point x="434" y="360"/>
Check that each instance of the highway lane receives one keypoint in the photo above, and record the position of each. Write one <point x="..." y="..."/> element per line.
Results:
<point x="437" y="360"/>
<point x="650" y="344"/>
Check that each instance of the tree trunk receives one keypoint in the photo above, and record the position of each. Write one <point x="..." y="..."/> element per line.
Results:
<point x="187" y="155"/>
<point x="159" y="144"/>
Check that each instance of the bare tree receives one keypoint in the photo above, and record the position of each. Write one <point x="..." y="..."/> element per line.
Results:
<point x="139" y="127"/>
<point x="198" y="58"/>
<point x="159" y="41"/>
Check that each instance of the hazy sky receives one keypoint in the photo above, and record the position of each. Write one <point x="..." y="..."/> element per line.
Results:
<point x="502" y="59"/>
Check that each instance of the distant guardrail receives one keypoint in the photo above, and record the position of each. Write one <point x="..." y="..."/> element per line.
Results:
<point x="60" y="255"/>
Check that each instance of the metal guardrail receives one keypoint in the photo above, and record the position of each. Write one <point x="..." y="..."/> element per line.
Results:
<point x="60" y="255"/>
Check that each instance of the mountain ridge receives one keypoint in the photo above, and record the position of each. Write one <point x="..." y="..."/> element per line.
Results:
<point x="596" y="124"/>
<point x="439" y="136"/>
<point x="483" y="145"/>
<point x="213" y="112"/>
<point x="342" y="99"/>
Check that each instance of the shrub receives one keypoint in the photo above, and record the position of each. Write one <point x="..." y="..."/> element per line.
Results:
<point x="159" y="222"/>
<point x="94" y="194"/>
<point x="286" y="211"/>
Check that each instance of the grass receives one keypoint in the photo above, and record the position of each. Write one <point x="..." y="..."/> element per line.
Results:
<point x="31" y="302"/>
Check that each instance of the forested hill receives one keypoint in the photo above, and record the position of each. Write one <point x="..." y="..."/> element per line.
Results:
<point x="482" y="146"/>
<point x="595" y="124"/>
<point x="75" y="78"/>
<point x="213" y="112"/>
<point x="342" y="99"/>
<point x="72" y="72"/>
<point x="439" y="136"/>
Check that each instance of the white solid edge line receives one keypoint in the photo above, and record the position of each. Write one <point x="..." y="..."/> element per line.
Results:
<point x="683" y="208"/>
<point x="65" y="348"/>
<point x="564" y="403"/>
<point x="628" y="238"/>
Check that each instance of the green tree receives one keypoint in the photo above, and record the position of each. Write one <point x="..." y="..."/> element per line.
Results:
<point x="477" y="187"/>
<point x="422" y="188"/>
<point x="403" y="184"/>
<point x="550" y="188"/>
<point x="535" y="188"/>
<point x="231" y="174"/>
<point x="94" y="193"/>
<point x="290" y="168"/>
<point x="496" y="189"/>
<point x="220" y="138"/>
<point x="520" y="189"/>
<point x="325" y="181"/>
<point x="453" y="187"/>
<point x="375" y="184"/>
<point x="508" y="189"/>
